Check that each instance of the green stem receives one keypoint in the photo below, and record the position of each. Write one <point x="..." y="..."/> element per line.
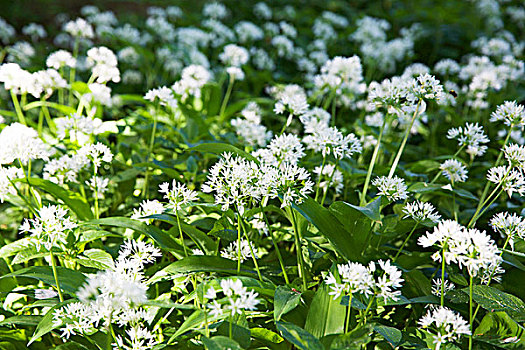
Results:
<point x="55" y="275"/>
<point x="319" y="180"/>
<point x="471" y="319"/>
<point x="404" y="243"/>
<point x="329" y="182"/>
<point x="348" y="313"/>
<point x="251" y="250"/>
<point x="442" y="297"/>
<point x="277" y="251"/>
<point x="150" y="149"/>
<point x="372" y="163"/>
<point x="18" y="110"/>
<point x="181" y="235"/>
<point x="403" y="143"/>
<point x="226" y="99"/>
<point x="238" y="244"/>
<point x="299" y="251"/>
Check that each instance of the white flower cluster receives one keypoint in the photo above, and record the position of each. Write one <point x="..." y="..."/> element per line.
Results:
<point x="509" y="226"/>
<point x="392" y="188"/>
<point x="291" y="99"/>
<point x="329" y="140"/>
<point x="329" y="176"/>
<point x="421" y="211"/>
<point x="510" y="113"/>
<point x="250" y="129"/>
<point x="79" y="28"/>
<point x="343" y="75"/>
<point x="60" y="59"/>
<point x="147" y="208"/>
<point x="468" y="248"/>
<point x="471" y="136"/>
<point x="445" y="325"/>
<point x="283" y="149"/>
<point x="104" y="63"/>
<point x="178" y="196"/>
<point x="79" y="128"/>
<point x="115" y="295"/>
<point x="193" y="78"/>
<point x="510" y="177"/>
<point x="232" y="251"/>
<point x="454" y="170"/>
<point x="237" y="298"/>
<point x="21" y="143"/>
<point x="50" y="227"/>
<point x="164" y="95"/>
<point x="382" y="280"/>
<point x="7" y="176"/>
<point x="21" y="81"/>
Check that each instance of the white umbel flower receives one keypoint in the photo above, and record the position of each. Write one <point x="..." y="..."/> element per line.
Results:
<point x="454" y="170"/>
<point x="445" y="325"/>
<point x="392" y="188"/>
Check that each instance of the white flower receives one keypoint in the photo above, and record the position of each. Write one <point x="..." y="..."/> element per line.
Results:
<point x="421" y="211"/>
<point x="510" y="113"/>
<point x="19" y="80"/>
<point x="329" y="140"/>
<point x="331" y="177"/>
<point x="50" y="227"/>
<point x="511" y="180"/>
<point x="471" y="136"/>
<point x="445" y="325"/>
<point x="147" y="208"/>
<point x="235" y="73"/>
<point x="232" y="251"/>
<point x="7" y="176"/>
<point x="355" y="278"/>
<point x="79" y="28"/>
<point x="99" y="185"/>
<point x="234" y="55"/>
<point x="178" y="196"/>
<point x="291" y="99"/>
<point x="238" y="298"/>
<point x="104" y="63"/>
<point x="515" y="155"/>
<point x="389" y="280"/>
<point x="61" y="58"/>
<point x="78" y="127"/>
<point x="426" y="87"/>
<point x="193" y="78"/>
<point x="436" y="287"/>
<point x="392" y="188"/>
<point x="164" y="94"/>
<point x="283" y="149"/>
<point x="96" y="153"/>
<point x="21" y="143"/>
<point x="454" y="170"/>
<point x="510" y="226"/>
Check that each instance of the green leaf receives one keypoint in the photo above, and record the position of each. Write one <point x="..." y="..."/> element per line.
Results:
<point x="391" y="334"/>
<point x="267" y="335"/>
<point x="13" y="248"/>
<point x="328" y="225"/>
<point x="219" y="148"/>
<point x="194" y="321"/>
<point x="495" y="300"/>
<point x="298" y="336"/>
<point x="70" y="280"/>
<point x="202" y="263"/>
<point x="498" y="328"/>
<point x="96" y="258"/>
<point x="372" y="210"/>
<point x="160" y="237"/>
<point x="72" y="200"/>
<point x="220" y="343"/>
<point x="62" y="108"/>
<point x="285" y="300"/>
<point x="46" y="325"/>
<point x="326" y="316"/>
<point x="22" y="320"/>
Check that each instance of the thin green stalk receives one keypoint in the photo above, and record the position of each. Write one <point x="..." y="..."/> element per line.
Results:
<point x="442" y="297"/>
<point x="318" y="185"/>
<point x="18" y="110"/>
<point x="226" y="99"/>
<point x="334" y="105"/>
<point x="251" y="250"/>
<point x="150" y="150"/>
<point x="230" y="328"/>
<point x="362" y="202"/>
<point x="97" y="213"/>
<point x="238" y="243"/>
<point x="299" y="251"/>
<point x="181" y="235"/>
<point x="403" y="143"/>
<point x="471" y="319"/>
<point x="72" y="72"/>
<point x="55" y="275"/>
<point x="405" y="242"/>
<point x="348" y="313"/>
<point x="329" y="182"/>
<point x="277" y="251"/>
<point x="288" y="122"/>
<point x="498" y="160"/>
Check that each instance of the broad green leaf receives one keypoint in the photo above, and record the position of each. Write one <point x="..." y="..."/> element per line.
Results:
<point x="392" y="335"/>
<point x="96" y="258"/>
<point x="264" y="334"/>
<point x="499" y="329"/>
<point x="298" y="336"/>
<point x="220" y="343"/>
<point x="495" y="300"/>
<point x="220" y="148"/>
<point x="13" y="248"/>
<point x="46" y="325"/>
<point x="70" y="280"/>
<point x="72" y="200"/>
<point x="326" y="316"/>
<point x="62" y="108"/>
<point x="194" y="321"/>
<point x="28" y="254"/>
<point x="21" y="320"/>
<point x="285" y="300"/>
<point x="160" y="237"/>
<point x="239" y="332"/>
<point x="327" y="224"/>
<point x="372" y="210"/>
<point x="202" y="263"/>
